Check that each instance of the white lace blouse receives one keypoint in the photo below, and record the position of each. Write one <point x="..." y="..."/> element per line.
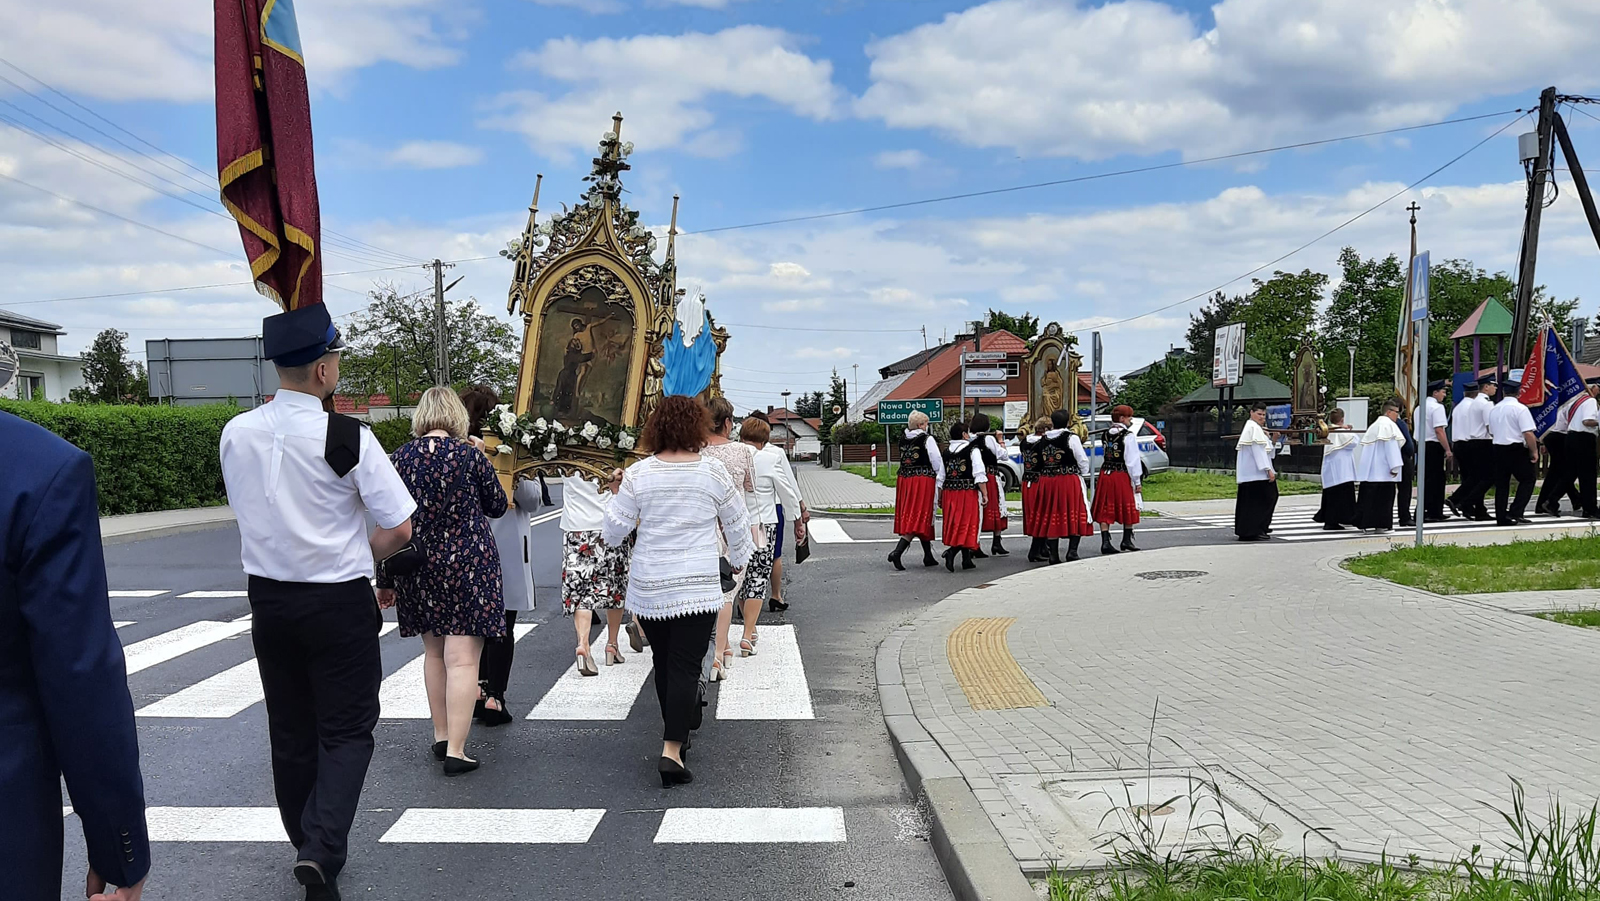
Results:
<point x="678" y="510"/>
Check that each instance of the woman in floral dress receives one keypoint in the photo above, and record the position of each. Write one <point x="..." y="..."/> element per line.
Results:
<point x="594" y="575"/>
<point x="740" y="460"/>
<point x="456" y="599"/>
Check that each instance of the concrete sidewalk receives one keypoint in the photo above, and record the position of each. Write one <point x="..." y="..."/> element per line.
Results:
<point x="136" y="526"/>
<point x="837" y="489"/>
<point x="1388" y="718"/>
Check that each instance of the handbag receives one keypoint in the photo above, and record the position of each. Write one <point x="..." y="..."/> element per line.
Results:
<point x="802" y="549"/>
<point x="411" y="557"/>
<point x="728" y="582"/>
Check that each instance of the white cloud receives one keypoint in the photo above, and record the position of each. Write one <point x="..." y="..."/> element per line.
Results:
<point x="163" y="51"/>
<point x="824" y="353"/>
<point x="434" y="155"/>
<point x="1071" y="79"/>
<point x="593" y="7"/>
<point x="663" y="85"/>
<point x="900" y="159"/>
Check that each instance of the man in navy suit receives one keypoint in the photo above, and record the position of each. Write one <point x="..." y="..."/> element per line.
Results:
<point x="65" y="710"/>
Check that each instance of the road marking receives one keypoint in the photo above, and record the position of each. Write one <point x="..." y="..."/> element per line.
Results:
<point x="137" y="594"/>
<point x="425" y="825"/>
<point x="122" y="622"/>
<point x="771" y="685"/>
<point x="386" y="628"/>
<point x="161" y="648"/>
<point x="403" y="695"/>
<point x="608" y="696"/>
<point x="215" y="824"/>
<point x="197" y="595"/>
<point x="66" y="812"/>
<point x="827" y="531"/>
<point x="226" y="694"/>
<point x="751" y="825"/>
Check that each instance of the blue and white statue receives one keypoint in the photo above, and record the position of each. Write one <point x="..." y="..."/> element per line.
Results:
<point x="690" y="355"/>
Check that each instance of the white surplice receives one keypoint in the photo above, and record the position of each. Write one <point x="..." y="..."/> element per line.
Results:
<point x="1380" y="452"/>
<point x="1254" y="459"/>
<point x="1339" y="458"/>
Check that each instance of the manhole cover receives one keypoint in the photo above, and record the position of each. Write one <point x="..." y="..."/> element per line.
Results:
<point x="1172" y="574"/>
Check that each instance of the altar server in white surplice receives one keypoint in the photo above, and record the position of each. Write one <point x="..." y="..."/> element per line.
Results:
<point x="1380" y="469"/>
<point x="1338" y="475"/>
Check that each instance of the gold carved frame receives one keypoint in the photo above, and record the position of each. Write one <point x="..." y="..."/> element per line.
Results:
<point x="1047" y="351"/>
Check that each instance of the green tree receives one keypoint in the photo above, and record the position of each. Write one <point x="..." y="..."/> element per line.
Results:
<point x="838" y="397"/>
<point x="108" y="376"/>
<point x="1455" y="289"/>
<point x="1164" y="383"/>
<point x="1025" y="326"/>
<point x="1218" y="311"/>
<point x="1364" y="311"/>
<point x="1277" y="314"/>
<point x="390" y="346"/>
<point x="809" y="405"/>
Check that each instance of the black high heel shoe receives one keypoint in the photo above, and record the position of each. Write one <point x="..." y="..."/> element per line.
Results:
<point x="673" y="773"/>
<point x="776" y="605"/>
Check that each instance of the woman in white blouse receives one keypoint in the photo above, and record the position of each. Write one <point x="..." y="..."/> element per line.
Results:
<point x="677" y="501"/>
<point x="774" y="485"/>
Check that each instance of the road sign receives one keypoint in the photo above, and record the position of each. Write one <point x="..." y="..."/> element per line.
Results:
<point x="984" y="356"/>
<point x="986" y="375"/>
<point x="985" y="391"/>
<point x="1014" y="411"/>
<point x="1419" y="287"/>
<point x="898" y="412"/>
<point x="1227" y="355"/>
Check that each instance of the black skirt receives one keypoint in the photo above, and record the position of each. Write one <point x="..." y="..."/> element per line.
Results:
<point x="1338" y="506"/>
<point x="1252" y="509"/>
<point x="1377" y="505"/>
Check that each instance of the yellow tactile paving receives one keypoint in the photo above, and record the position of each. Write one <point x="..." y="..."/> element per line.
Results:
<point x="985" y="668"/>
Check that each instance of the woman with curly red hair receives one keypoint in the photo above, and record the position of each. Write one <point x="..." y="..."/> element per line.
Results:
<point x="676" y="501"/>
<point x="1116" y="492"/>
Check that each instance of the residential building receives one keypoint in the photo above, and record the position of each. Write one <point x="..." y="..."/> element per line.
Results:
<point x="940" y="376"/>
<point x="44" y="373"/>
<point x="799" y="436"/>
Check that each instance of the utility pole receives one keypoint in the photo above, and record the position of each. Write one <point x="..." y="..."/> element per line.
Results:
<point x="441" y="356"/>
<point x="1530" y="231"/>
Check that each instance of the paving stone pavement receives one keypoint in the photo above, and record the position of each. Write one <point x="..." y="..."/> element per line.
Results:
<point x="837" y="489"/>
<point x="1389" y="717"/>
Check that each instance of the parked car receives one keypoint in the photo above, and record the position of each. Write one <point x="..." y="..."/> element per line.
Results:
<point x="1152" y="447"/>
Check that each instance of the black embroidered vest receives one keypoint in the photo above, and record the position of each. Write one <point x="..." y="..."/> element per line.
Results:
<point x="914" y="460"/>
<point x="958" y="475"/>
<point x="1030" y="459"/>
<point x="1116" y="457"/>
<point x="981" y="442"/>
<point x="1056" y="457"/>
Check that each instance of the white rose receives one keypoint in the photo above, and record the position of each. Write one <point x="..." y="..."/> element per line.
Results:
<point x="527" y="441"/>
<point x="625" y="442"/>
<point x="504" y="449"/>
<point x="541" y="424"/>
<point x="550" y="452"/>
<point x="590" y="430"/>
<point x="602" y="442"/>
<point x="557" y="428"/>
<point x="508" y="421"/>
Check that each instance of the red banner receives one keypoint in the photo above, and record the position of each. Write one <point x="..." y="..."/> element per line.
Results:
<point x="264" y="159"/>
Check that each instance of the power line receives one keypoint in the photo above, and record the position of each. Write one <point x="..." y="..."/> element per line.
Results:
<point x="794" y="328"/>
<point x="1101" y="175"/>
<point x="87" y="206"/>
<point x="782" y="371"/>
<point x="1403" y="191"/>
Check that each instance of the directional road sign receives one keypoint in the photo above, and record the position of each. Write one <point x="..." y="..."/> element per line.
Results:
<point x="897" y="412"/>
<point x="986" y="375"/>
<point x="985" y="391"/>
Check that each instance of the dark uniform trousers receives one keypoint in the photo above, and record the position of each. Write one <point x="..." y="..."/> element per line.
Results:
<point x="317" y="647"/>
<point x="1581" y="450"/>
<point x="1511" y="461"/>
<point x="1558" y="478"/>
<point x="1402" y="491"/>
<point x="1433" y="499"/>
<point x="1476" y="458"/>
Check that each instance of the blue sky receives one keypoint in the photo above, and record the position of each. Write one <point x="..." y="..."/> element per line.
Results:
<point x="431" y="119"/>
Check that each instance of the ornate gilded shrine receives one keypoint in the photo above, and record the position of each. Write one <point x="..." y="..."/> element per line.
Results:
<point x="1052" y="369"/>
<point x="597" y="311"/>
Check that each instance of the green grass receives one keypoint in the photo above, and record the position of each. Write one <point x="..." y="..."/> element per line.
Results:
<point x="1588" y="619"/>
<point x="1551" y="564"/>
<point x="846" y="511"/>
<point x="885" y="474"/>
<point x="1207" y="486"/>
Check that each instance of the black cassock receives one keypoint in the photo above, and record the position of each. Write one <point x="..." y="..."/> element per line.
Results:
<point x="1252" y="509"/>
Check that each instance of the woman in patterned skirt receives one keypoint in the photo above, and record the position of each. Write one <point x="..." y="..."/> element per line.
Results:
<point x="994" y="490"/>
<point x="962" y="496"/>
<point x="455" y="600"/>
<point x="1116" y="492"/>
<point x="594" y="575"/>
<point x="1031" y="448"/>
<point x="916" y="485"/>
<point x="740" y="460"/>
<point x="1060" y="495"/>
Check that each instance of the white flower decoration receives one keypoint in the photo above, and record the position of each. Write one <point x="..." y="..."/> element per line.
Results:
<point x="540" y="424"/>
<point x="557" y="427"/>
<point x="602" y="442"/>
<point x="508" y="421"/>
<point x="527" y="440"/>
<point x="550" y="451"/>
<point x="504" y="449"/>
<point x="625" y="442"/>
<point x="590" y="430"/>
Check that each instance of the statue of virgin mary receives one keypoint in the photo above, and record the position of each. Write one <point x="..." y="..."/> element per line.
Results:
<point x="690" y="354"/>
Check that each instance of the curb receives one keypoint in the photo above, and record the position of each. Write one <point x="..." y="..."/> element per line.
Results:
<point x="977" y="864"/>
<point x="223" y="519"/>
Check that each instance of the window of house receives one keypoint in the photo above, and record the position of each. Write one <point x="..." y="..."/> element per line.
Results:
<point x="1013" y="370"/>
<point x="30" y="387"/>
<point x="24" y="340"/>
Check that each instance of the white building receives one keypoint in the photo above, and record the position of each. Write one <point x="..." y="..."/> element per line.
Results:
<point x="44" y="374"/>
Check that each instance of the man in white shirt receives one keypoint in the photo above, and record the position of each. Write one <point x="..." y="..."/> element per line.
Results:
<point x="301" y="481"/>
<point x="1382" y="463"/>
<point x="1581" y="447"/>
<point x="1469" y="434"/>
<point x="1516" y="455"/>
<point x="1431" y="425"/>
<point x="1560" y="476"/>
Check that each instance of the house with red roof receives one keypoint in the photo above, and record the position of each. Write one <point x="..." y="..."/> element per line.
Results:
<point x="940" y="376"/>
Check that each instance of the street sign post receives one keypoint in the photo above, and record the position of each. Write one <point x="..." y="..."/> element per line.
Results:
<point x="1227" y="355"/>
<point x="986" y="375"/>
<point x="984" y="356"/>
<point x="984" y="391"/>
<point x="1419" y="315"/>
<point x="898" y="412"/>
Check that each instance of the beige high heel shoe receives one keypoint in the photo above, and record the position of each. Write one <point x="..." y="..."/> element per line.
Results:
<point x="586" y="665"/>
<point x="613" y="655"/>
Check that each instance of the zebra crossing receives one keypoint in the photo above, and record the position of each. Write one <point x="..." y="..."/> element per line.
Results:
<point x="1296" y="524"/>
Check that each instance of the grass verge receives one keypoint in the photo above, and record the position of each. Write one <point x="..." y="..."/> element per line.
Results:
<point x="1207" y="486"/>
<point x="846" y="511"/>
<point x="1552" y="564"/>
<point x="1588" y="619"/>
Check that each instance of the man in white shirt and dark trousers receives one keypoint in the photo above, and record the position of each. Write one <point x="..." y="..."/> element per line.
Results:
<point x="1516" y="455"/>
<point x="1581" y="447"/>
<point x="301" y="481"/>
<point x="1469" y="434"/>
<point x="1558" y="478"/>
<point x="1432" y="424"/>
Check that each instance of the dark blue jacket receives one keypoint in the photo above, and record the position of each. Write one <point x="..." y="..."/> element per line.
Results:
<point x="65" y="710"/>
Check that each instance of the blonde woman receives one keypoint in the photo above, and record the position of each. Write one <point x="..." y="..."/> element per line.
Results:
<point x="740" y="460"/>
<point x="455" y="600"/>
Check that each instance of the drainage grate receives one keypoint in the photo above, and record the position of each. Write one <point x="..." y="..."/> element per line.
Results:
<point x="1172" y="574"/>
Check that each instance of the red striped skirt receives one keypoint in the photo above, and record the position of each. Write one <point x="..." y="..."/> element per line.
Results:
<point x="960" y="519"/>
<point x="1114" y="500"/>
<point x="1030" y="509"/>
<point x="994" y="511"/>
<point x="1063" y="510"/>
<point x="913" y="507"/>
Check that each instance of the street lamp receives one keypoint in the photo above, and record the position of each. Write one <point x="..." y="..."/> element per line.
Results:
<point x="788" y="429"/>
<point x="856" y="367"/>
<point x="1352" y="349"/>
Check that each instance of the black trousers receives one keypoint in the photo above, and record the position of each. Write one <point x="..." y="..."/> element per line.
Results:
<point x="317" y="647"/>
<point x="677" y="646"/>
<point x="1511" y="461"/>
<point x="1433" y="491"/>
<point x="1376" y="505"/>
<point x="1477" y="474"/>
<point x="1402" y="490"/>
<point x="494" y="664"/>
<point x="1581" y="453"/>
<point x="1560" y="477"/>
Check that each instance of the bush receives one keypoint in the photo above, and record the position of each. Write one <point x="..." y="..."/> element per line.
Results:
<point x="145" y="458"/>
<point x="858" y="433"/>
<point x="391" y="433"/>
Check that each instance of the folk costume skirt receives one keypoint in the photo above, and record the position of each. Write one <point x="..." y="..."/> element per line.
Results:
<point x="994" y="510"/>
<point x="1252" y="509"/>
<point x="1063" y="508"/>
<point x="1030" y="509"/>
<point x="961" y="519"/>
<point x="1114" y="500"/>
<point x="913" y="507"/>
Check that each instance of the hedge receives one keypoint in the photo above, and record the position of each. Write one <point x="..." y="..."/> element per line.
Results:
<point x="391" y="433"/>
<point x="145" y="458"/>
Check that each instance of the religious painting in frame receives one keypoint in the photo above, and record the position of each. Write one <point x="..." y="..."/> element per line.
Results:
<point x="584" y="353"/>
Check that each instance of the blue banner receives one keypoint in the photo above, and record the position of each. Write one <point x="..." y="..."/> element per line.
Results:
<point x="1278" y="416"/>
<point x="1560" y="381"/>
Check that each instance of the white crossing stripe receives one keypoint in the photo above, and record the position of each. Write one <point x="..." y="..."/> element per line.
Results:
<point x="66" y="812"/>
<point x="426" y="825"/>
<point x="386" y="628"/>
<point x="215" y="594"/>
<point x="226" y="694"/>
<point x="827" y="531"/>
<point x="770" y="685"/>
<point x="608" y="696"/>
<point x="122" y="622"/>
<point x="751" y="825"/>
<point x="161" y="648"/>
<point x="215" y="824"/>
<point x="403" y="695"/>
<point x="137" y="594"/>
